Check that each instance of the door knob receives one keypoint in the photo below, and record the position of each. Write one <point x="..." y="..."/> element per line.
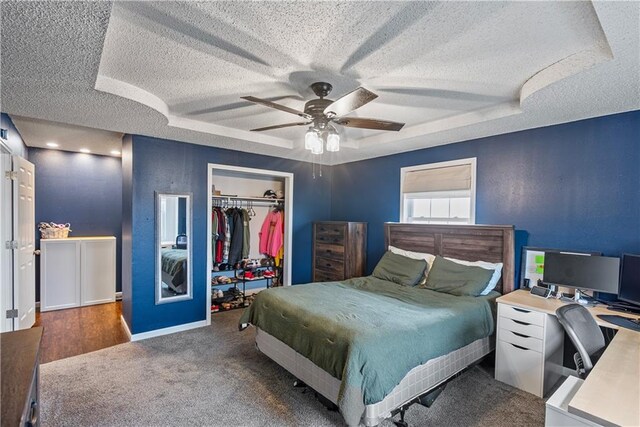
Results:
<point x="36" y="252"/>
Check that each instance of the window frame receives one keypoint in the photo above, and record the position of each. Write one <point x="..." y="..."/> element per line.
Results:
<point x="472" y="161"/>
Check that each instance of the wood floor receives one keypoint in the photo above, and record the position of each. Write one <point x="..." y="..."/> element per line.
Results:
<point x="80" y="330"/>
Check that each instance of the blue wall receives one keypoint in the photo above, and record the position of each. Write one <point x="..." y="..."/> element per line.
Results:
<point x="14" y="140"/>
<point x="82" y="189"/>
<point x="127" y="227"/>
<point x="574" y="186"/>
<point x="161" y="165"/>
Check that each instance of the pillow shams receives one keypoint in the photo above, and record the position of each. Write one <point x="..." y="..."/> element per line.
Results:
<point x="416" y="255"/>
<point x="495" y="268"/>
<point x="457" y="279"/>
<point x="413" y="255"/>
<point x="400" y="269"/>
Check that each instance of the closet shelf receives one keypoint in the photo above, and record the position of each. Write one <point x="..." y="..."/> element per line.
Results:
<point x="268" y="200"/>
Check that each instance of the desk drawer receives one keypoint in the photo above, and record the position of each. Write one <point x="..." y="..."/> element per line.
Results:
<point x="519" y="367"/>
<point x="523" y="315"/>
<point x="521" y="340"/>
<point x="521" y="327"/>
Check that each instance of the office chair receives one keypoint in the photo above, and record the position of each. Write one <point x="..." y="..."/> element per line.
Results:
<point x="181" y="241"/>
<point x="585" y="334"/>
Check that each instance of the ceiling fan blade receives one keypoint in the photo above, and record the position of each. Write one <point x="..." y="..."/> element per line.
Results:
<point x="358" y="122"/>
<point x="349" y="102"/>
<point x="286" y="125"/>
<point x="276" y="106"/>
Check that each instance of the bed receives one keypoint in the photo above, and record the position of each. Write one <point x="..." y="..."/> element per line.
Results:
<point x="174" y="268"/>
<point x="371" y="346"/>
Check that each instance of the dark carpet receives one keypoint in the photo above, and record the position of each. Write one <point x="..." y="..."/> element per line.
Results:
<point x="215" y="376"/>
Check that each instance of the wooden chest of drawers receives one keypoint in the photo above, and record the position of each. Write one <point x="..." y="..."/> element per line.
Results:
<point x="339" y="250"/>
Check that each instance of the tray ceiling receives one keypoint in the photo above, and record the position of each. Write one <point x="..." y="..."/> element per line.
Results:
<point x="451" y="70"/>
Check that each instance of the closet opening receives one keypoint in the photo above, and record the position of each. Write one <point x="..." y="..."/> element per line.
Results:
<point x="249" y="227"/>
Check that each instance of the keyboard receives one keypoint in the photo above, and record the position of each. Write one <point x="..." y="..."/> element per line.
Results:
<point x="625" y="322"/>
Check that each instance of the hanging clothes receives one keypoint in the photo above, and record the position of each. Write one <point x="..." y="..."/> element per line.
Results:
<point x="218" y="235"/>
<point x="227" y="236"/>
<point x="280" y="255"/>
<point x="237" y="236"/>
<point x="271" y="236"/>
<point x="246" y="237"/>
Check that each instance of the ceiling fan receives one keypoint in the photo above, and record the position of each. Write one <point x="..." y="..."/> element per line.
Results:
<point x="322" y="113"/>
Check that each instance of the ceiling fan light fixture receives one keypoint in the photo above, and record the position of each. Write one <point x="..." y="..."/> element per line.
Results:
<point x="311" y="139"/>
<point x="333" y="141"/>
<point x="317" y="147"/>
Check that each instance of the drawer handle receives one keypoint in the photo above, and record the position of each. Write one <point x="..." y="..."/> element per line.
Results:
<point x="521" y="310"/>
<point x="519" y="346"/>
<point x="520" y="335"/>
<point x="521" y="322"/>
<point x="328" y="265"/>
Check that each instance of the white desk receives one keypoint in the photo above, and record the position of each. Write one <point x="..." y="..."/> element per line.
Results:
<point x="611" y="393"/>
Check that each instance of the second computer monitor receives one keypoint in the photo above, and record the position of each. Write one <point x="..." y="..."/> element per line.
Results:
<point x="596" y="273"/>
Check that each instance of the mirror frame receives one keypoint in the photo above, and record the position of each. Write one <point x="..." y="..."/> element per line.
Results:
<point x="158" y="244"/>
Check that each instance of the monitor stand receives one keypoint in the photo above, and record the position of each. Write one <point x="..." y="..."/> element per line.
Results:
<point x="578" y="298"/>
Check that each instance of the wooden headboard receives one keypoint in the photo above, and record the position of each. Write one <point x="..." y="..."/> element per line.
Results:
<point x="492" y="243"/>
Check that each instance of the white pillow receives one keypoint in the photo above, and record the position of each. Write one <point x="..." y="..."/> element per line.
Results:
<point x="497" y="271"/>
<point x="413" y="255"/>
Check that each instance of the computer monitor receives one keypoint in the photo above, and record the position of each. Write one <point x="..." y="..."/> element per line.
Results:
<point x="629" y="290"/>
<point x="595" y="273"/>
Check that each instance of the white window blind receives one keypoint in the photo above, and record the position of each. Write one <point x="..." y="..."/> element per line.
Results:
<point x="438" y="179"/>
<point x="439" y="193"/>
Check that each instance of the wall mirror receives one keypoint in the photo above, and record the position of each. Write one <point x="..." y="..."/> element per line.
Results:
<point x="173" y="247"/>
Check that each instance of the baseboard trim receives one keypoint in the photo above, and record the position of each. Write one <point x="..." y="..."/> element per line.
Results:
<point x="125" y="326"/>
<point x="169" y="330"/>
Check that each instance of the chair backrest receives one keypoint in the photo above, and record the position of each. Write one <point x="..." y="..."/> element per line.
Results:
<point x="181" y="241"/>
<point x="583" y="331"/>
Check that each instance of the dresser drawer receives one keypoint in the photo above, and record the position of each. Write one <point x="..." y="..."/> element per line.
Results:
<point x="324" y="276"/>
<point x="330" y="233"/>
<point x="519" y="367"/>
<point x="522" y="340"/>
<point x="331" y="251"/>
<point x="520" y="327"/>
<point x="329" y="265"/>
<point x="521" y="314"/>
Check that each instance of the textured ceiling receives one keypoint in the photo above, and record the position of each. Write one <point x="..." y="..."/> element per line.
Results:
<point x="452" y="71"/>
<point x="38" y="133"/>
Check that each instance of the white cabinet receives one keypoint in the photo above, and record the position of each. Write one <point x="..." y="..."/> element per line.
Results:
<point x="529" y="349"/>
<point x="77" y="271"/>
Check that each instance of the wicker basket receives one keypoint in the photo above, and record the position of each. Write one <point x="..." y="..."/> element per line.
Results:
<point x="55" y="232"/>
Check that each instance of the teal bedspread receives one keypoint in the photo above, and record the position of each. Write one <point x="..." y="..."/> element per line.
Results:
<point x="367" y="332"/>
<point x="172" y="260"/>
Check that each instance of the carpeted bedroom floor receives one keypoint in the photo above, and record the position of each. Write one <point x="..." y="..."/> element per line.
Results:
<point x="215" y="376"/>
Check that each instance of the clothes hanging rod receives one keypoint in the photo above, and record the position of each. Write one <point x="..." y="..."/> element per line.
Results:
<point x="248" y="199"/>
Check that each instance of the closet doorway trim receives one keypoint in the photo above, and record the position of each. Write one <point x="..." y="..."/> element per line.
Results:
<point x="288" y="219"/>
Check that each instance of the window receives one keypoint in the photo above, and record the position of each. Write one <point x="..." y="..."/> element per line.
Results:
<point x="439" y="193"/>
<point x="169" y="225"/>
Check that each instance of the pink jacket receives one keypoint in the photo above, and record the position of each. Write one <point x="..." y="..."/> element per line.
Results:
<point x="271" y="236"/>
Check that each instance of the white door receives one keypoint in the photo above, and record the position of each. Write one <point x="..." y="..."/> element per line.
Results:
<point x="24" y="229"/>
<point x="6" y="233"/>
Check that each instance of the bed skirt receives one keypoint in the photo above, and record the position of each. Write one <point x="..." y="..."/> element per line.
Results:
<point x="419" y="380"/>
